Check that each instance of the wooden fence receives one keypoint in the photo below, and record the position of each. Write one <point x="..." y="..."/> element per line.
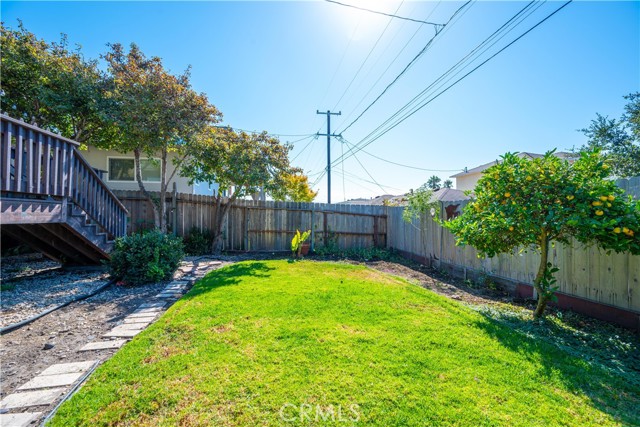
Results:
<point x="586" y="273"/>
<point x="266" y="226"/>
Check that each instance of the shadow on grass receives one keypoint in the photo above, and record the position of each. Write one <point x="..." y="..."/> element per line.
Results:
<point x="228" y="276"/>
<point x="609" y="377"/>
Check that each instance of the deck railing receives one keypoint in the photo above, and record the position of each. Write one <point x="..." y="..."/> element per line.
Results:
<point x="35" y="161"/>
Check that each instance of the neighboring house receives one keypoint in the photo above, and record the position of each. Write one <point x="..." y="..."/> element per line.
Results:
<point x="117" y="171"/>
<point x="468" y="179"/>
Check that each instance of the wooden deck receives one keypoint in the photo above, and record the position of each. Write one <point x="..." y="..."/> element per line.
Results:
<point x="51" y="199"/>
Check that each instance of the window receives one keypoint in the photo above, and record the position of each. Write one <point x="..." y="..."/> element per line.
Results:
<point x="123" y="169"/>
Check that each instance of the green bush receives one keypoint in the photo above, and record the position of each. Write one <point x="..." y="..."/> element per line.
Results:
<point x="198" y="242"/>
<point x="145" y="258"/>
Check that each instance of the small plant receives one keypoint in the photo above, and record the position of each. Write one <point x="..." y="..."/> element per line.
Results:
<point x="198" y="242"/>
<point x="146" y="257"/>
<point x="297" y="241"/>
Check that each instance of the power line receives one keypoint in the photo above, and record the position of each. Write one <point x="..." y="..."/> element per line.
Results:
<point x="409" y="65"/>
<point x="305" y="147"/>
<point x="371" y="87"/>
<point x="305" y="135"/>
<point x="362" y="166"/>
<point x="401" y="164"/>
<point x="367" y="58"/>
<point x="392" y="15"/>
<point x="362" y="143"/>
<point x="344" y="53"/>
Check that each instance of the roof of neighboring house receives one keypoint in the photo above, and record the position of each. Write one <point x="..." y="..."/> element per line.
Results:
<point x="450" y="195"/>
<point x="478" y="169"/>
<point x="442" y="195"/>
<point x="378" y="200"/>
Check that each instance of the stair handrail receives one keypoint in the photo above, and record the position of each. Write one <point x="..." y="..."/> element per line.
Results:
<point x="66" y="174"/>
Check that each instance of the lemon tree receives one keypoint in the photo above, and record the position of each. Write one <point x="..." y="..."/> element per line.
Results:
<point x="522" y="204"/>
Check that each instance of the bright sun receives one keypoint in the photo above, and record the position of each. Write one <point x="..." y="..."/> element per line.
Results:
<point x="360" y="24"/>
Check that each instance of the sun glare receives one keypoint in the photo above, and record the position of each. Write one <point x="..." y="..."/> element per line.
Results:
<point x="361" y="24"/>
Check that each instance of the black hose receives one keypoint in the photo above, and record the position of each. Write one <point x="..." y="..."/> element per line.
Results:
<point x="25" y="322"/>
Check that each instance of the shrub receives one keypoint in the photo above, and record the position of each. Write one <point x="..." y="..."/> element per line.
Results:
<point x="198" y="242"/>
<point x="147" y="257"/>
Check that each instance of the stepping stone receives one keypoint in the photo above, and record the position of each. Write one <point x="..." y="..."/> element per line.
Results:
<point x="157" y="304"/>
<point x="68" y="368"/>
<point x="175" y="295"/>
<point x="18" y="420"/>
<point x="145" y="312"/>
<point x="49" y="381"/>
<point x="140" y="319"/>
<point x="179" y="283"/>
<point x="122" y="333"/>
<point x="31" y="398"/>
<point x="103" y="345"/>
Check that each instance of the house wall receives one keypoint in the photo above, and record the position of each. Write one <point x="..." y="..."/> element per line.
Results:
<point x="468" y="181"/>
<point x="98" y="158"/>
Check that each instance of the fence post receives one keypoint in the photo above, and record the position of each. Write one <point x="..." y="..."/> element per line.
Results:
<point x="174" y="209"/>
<point x="313" y="211"/>
<point x="245" y="229"/>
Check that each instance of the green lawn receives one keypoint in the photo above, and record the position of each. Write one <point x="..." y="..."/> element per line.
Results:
<point x="285" y="343"/>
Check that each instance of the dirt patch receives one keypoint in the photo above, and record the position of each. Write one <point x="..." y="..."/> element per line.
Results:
<point x="56" y="337"/>
<point x="435" y="280"/>
<point x="23" y="351"/>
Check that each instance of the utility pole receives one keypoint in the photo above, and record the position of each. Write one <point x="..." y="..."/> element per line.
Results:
<point x="328" y="135"/>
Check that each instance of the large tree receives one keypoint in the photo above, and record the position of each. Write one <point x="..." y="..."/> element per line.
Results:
<point x="53" y="86"/>
<point x="521" y="203"/>
<point x="241" y="164"/>
<point x="156" y="112"/>
<point x="618" y="140"/>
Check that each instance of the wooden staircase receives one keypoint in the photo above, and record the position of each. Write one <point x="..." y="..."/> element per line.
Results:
<point x="52" y="200"/>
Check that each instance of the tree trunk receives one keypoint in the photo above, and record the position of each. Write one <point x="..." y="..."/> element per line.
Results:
<point x="138" y="172"/>
<point x="222" y="210"/>
<point x="163" y="192"/>
<point x="543" y="297"/>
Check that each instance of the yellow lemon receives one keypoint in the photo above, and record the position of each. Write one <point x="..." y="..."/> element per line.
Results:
<point x="511" y="228"/>
<point x="604" y="198"/>
<point x="611" y="198"/>
<point x="596" y="203"/>
<point x="507" y="195"/>
<point x="617" y="230"/>
<point x="608" y="205"/>
<point x="599" y="213"/>
<point x="529" y="178"/>
<point x="625" y="230"/>
<point x="605" y="166"/>
<point x="570" y="197"/>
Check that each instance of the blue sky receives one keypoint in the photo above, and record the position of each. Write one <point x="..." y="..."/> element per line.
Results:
<point x="271" y="65"/>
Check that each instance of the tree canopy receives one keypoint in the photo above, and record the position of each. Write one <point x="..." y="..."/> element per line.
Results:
<point x="156" y="113"/>
<point x="522" y="203"/>
<point x="295" y="188"/>
<point x="434" y="182"/>
<point x="618" y="140"/>
<point x="50" y="85"/>
<point x="241" y="164"/>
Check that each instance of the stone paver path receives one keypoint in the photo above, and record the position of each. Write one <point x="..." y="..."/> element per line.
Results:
<point x="52" y="383"/>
